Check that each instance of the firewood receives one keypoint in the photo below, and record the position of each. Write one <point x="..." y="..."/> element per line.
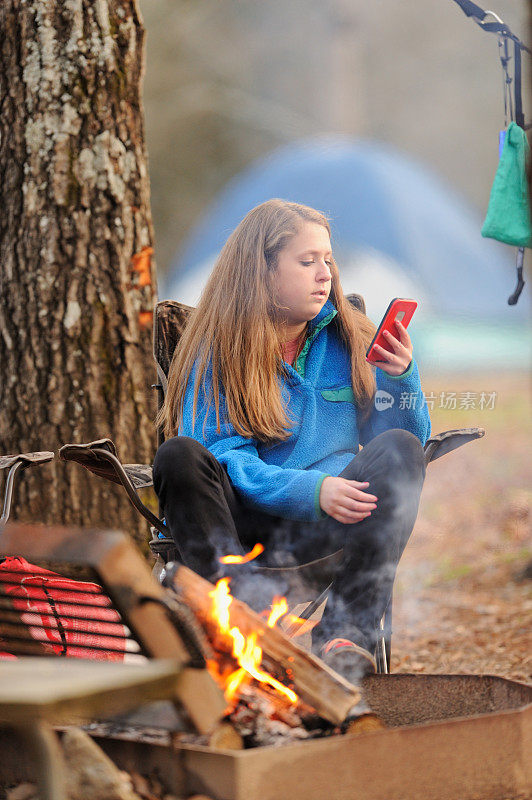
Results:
<point x="270" y="704"/>
<point x="141" y="785"/>
<point x="363" y="720"/>
<point x="328" y="693"/>
<point x="252" y="719"/>
<point x="365" y="723"/>
<point x="91" y="774"/>
<point x="225" y="737"/>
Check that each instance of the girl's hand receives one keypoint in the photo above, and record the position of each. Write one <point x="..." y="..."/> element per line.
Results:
<point x="345" y="501"/>
<point x="398" y="361"/>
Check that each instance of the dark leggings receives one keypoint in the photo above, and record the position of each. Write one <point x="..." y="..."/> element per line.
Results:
<point x="207" y="519"/>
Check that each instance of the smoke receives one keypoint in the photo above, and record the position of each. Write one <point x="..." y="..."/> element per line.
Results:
<point x="302" y="559"/>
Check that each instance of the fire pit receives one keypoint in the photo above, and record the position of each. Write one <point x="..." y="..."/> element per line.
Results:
<point x="456" y="737"/>
<point x="448" y="737"/>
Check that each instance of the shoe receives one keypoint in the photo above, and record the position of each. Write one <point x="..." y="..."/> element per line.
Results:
<point x="348" y="659"/>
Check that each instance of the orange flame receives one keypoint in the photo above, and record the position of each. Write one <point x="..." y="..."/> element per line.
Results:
<point x="221" y="597"/>
<point x="245" y="649"/>
<point x="257" y="550"/>
<point x="234" y="681"/>
<point x="279" y="609"/>
<point x="249" y="655"/>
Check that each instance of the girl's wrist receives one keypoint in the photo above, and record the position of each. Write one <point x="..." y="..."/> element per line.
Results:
<point x="405" y="374"/>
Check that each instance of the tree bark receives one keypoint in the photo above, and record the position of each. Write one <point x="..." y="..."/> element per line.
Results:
<point x="77" y="281"/>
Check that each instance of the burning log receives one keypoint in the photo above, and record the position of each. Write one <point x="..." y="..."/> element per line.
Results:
<point x="263" y="722"/>
<point x="332" y="697"/>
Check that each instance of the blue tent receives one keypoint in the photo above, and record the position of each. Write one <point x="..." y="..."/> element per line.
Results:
<point x="379" y="201"/>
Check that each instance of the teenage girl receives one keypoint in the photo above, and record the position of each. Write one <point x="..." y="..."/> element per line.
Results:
<point x="269" y="400"/>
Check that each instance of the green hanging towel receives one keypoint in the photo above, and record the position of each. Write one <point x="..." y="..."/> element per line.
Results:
<point x="508" y="217"/>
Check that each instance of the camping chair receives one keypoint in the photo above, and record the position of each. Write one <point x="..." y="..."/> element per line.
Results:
<point x="101" y="458"/>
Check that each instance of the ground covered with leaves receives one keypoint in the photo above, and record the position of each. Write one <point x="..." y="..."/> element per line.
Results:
<point x="463" y="596"/>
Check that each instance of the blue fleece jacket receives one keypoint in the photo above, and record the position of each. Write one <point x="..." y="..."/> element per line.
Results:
<point x="284" y="478"/>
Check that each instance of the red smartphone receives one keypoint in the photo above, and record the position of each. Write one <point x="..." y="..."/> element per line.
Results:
<point x="400" y="309"/>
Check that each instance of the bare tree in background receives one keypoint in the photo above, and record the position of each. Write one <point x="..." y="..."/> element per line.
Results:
<point x="76" y="274"/>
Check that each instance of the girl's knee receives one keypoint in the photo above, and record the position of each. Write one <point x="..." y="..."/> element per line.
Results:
<point x="177" y="455"/>
<point x="406" y="444"/>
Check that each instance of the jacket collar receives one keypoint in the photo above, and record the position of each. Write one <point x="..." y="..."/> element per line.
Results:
<point x="327" y="309"/>
<point x="325" y="315"/>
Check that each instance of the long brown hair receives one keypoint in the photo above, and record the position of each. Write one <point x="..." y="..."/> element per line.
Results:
<point x="234" y="327"/>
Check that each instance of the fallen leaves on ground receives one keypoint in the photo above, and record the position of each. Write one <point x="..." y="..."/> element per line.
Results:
<point x="463" y="602"/>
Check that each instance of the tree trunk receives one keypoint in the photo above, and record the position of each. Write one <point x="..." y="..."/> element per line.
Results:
<point x="77" y="282"/>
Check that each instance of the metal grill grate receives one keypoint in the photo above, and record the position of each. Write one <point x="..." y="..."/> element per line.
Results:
<point x="45" y="613"/>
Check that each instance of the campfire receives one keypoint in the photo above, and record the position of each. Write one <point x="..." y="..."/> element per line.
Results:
<point x="276" y="691"/>
<point x="245" y="649"/>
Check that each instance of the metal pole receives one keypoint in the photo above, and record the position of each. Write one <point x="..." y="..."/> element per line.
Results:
<point x="9" y="493"/>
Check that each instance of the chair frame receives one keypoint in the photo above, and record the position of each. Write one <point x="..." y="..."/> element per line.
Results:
<point x="14" y="463"/>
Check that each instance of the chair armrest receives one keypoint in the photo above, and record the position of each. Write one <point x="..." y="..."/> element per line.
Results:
<point x="13" y="463"/>
<point x="84" y="454"/>
<point x="26" y="459"/>
<point x="442" y="443"/>
<point x="100" y="457"/>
